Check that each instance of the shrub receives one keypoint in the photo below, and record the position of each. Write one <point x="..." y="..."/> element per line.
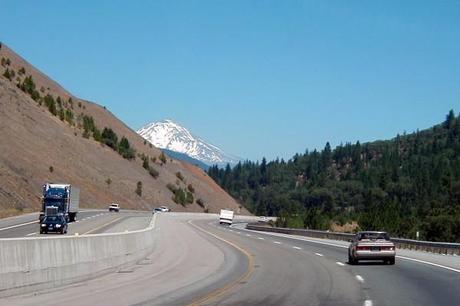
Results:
<point x="139" y="188"/>
<point x="200" y="202"/>
<point x="189" y="198"/>
<point x="163" y="157"/>
<point x="69" y="116"/>
<point x="179" y="197"/>
<point x="179" y="176"/>
<point x="22" y="71"/>
<point x="7" y="74"/>
<point x="190" y="188"/>
<point x="153" y="172"/>
<point x="110" y="138"/>
<point x="51" y="168"/>
<point x="145" y="162"/>
<point x="171" y="187"/>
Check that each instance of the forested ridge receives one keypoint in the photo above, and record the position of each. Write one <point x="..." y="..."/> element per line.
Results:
<point x="407" y="184"/>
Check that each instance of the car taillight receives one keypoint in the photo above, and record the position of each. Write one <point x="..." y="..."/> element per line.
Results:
<point x="362" y="248"/>
<point x="387" y="248"/>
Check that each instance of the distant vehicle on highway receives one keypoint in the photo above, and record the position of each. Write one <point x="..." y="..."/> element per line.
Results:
<point x="371" y="245"/>
<point x="57" y="224"/>
<point x="114" y="207"/>
<point x="226" y="216"/>
<point x="262" y="219"/>
<point x="161" y="209"/>
<point x="63" y="198"/>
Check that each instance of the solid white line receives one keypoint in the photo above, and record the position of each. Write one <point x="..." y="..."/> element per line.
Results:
<point x="277" y="242"/>
<point x="367" y="303"/>
<point x="340" y="263"/>
<point x="18" y="225"/>
<point x="359" y="278"/>
<point x="31" y="234"/>
<point x="429" y="263"/>
<point x="296" y="247"/>
<point x="346" y="247"/>
<point x="260" y="238"/>
<point x="319" y="254"/>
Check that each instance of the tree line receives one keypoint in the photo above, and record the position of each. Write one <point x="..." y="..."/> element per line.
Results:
<point x="405" y="185"/>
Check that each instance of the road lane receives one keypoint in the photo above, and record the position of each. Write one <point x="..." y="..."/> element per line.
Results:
<point x="89" y="221"/>
<point x="191" y="264"/>
<point x="186" y="265"/>
<point x="406" y="283"/>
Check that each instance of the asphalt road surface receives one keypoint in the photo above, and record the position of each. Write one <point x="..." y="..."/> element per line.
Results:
<point x="198" y="262"/>
<point x="88" y="222"/>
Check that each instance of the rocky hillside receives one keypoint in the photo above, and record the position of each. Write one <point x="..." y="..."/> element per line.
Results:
<point x="47" y="134"/>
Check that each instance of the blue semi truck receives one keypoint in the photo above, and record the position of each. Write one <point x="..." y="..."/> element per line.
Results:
<point x="60" y="199"/>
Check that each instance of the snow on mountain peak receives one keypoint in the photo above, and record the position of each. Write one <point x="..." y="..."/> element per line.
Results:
<point x="167" y="134"/>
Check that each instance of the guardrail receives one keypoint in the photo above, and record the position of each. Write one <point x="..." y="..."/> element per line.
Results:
<point x="426" y="246"/>
<point x="29" y="264"/>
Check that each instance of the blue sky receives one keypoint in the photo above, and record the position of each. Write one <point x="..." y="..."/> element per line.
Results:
<point x="256" y="78"/>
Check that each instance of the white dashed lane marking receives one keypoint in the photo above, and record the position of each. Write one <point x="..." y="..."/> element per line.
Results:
<point x="276" y="242"/>
<point x="359" y="278"/>
<point x="296" y="247"/>
<point x="340" y="263"/>
<point x="319" y="254"/>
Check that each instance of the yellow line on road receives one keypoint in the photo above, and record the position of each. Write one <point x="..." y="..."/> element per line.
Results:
<point x="103" y="225"/>
<point x="225" y="289"/>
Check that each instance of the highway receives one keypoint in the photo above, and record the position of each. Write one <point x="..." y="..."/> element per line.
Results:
<point x="198" y="262"/>
<point x="88" y="222"/>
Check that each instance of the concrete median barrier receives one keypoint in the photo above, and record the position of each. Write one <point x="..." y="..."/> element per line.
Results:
<point x="29" y="264"/>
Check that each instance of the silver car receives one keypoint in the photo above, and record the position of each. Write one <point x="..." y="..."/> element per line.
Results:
<point x="371" y="246"/>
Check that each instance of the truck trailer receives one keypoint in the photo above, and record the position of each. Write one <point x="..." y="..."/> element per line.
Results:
<point x="226" y="216"/>
<point x="60" y="199"/>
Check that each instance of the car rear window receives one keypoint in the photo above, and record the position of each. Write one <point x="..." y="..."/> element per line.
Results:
<point x="373" y="236"/>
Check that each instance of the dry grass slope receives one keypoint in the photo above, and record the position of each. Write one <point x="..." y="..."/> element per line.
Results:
<point x="37" y="146"/>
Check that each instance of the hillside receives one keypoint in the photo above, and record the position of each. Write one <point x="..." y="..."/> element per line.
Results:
<point x="407" y="184"/>
<point x="47" y="134"/>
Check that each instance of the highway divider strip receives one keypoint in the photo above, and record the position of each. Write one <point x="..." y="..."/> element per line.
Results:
<point x="225" y="289"/>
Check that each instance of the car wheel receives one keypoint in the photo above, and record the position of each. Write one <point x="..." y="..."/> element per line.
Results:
<point x="351" y="261"/>
<point x="391" y="261"/>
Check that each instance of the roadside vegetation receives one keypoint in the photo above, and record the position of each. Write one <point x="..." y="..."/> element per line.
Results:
<point x="408" y="184"/>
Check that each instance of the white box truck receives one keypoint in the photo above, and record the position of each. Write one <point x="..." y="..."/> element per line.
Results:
<point x="226" y="216"/>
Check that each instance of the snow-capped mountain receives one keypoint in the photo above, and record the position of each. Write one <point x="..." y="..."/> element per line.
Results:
<point x="169" y="135"/>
